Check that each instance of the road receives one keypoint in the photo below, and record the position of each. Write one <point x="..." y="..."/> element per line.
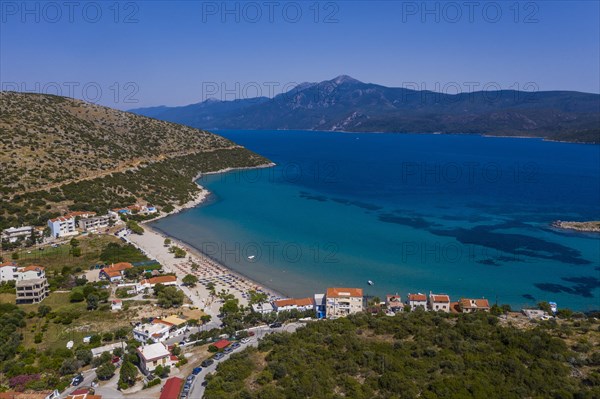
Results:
<point x="197" y="391"/>
<point x="88" y="377"/>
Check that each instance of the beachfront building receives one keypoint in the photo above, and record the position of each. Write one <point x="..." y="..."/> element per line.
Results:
<point x="115" y="272"/>
<point x="439" y="302"/>
<point x="151" y="282"/>
<point x="468" y="305"/>
<point x="343" y="301"/>
<point x="32" y="291"/>
<point x="14" y="234"/>
<point x="416" y="301"/>
<point x="320" y="306"/>
<point x="263" y="308"/>
<point x="94" y="223"/>
<point x="8" y="271"/>
<point x="301" y="305"/>
<point x="394" y="303"/>
<point x="153" y="355"/>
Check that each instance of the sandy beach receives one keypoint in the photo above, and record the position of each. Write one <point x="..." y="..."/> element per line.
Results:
<point x="196" y="263"/>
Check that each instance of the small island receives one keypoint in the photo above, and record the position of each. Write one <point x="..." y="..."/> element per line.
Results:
<point x="592" y="226"/>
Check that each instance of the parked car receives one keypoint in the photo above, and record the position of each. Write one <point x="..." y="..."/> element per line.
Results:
<point x="251" y="333"/>
<point x="78" y="379"/>
<point x="207" y="362"/>
<point x="196" y="370"/>
<point x="235" y="345"/>
<point x="276" y="325"/>
<point x="190" y="378"/>
<point x="228" y="350"/>
<point x="204" y="383"/>
<point x="218" y="356"/>
<point x="245" y="340"/>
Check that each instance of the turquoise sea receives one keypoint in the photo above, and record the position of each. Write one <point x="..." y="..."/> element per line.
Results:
<point x="464" y="215"/>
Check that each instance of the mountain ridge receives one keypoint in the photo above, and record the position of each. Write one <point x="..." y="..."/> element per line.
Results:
<point x="346" y="104"/>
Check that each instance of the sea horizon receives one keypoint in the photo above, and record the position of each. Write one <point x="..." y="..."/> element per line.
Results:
<point x="457" y="214"/>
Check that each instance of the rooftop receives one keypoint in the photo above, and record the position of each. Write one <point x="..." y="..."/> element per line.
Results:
<point x="159" y="280"/>
<point x="417" y="297"/>
<point x="439" y="298"/>
<point x="171" y="388"/>
<point x="468" y="303"/>
<point x="294" y="302"/>
<point x="153" y="351"/>
<point x="344" y="292"/>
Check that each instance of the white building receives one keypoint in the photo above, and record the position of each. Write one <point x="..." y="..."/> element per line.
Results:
<point x="155" y="332"/>
<point x="32" y="291"/>
<point x="116" y="304"/>
<point x="263" y="308"/>
<point x="13" y="234"/>
<point x="301" y="305"/>
<point x="439" y="302"/>
<point x="106" y="348"/>
<point x="416" y="301"/>
<point x="153" y="355"/>
<point x="62" y="226"/>
<point x="8" y="272"/>
<point x="30" y="272"/>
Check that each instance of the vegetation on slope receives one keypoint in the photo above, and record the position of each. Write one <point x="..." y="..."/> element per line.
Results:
<point x="59" y="154"/>
<point x="420" y="354"/>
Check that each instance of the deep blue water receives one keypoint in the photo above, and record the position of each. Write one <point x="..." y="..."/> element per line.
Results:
<point x="459" y="214"/>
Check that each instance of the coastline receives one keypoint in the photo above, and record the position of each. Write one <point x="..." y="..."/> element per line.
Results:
<point x="223" y="277"/>
<point x="584" y="227"/>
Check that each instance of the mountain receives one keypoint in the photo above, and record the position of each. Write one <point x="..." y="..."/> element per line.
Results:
<point x="346" y="104"/>
<point x="59" y="154"/>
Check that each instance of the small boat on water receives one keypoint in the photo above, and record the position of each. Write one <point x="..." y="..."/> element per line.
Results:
<point x="370" y="282"/>
<point x="553" y="307"/>
<point x="251" y="257"/>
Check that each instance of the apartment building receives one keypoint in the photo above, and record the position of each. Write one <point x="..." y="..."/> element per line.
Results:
<point x="32" y="291"/>
<point x="343" y="301"/>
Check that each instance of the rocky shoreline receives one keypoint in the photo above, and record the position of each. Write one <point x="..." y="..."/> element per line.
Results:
<point x="588" y="227"/>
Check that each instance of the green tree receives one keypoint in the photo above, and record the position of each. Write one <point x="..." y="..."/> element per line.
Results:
<point x="74" y="242"/>
<point x="106" y="371"/>
<point x="128" y="374"/>
<point x="84" y="356"/>
<point x="92" y="302"/>
<point x="76" y="296"/>
<point x="44" y="310"/>
<point x="170" y="297"/>
<point x="190" y="280"/>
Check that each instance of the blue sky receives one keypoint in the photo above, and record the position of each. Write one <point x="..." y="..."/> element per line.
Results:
<point x="145" y="53"/>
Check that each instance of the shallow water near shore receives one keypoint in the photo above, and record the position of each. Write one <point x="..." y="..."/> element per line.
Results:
<point x="459" y="214"/>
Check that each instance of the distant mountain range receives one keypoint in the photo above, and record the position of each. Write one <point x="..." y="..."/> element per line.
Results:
<point x="346" y="104"/>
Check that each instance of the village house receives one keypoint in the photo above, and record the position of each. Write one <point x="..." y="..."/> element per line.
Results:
<point x="439" y="302"/>
<point x="153" y="355"/>
<point x="301" y="305"/>
<point x="394" y="303"/>
<point x="116" y="304"/>
<point x="172" y="388"/>
<point x="13" y="234"/>
<point x="32" y="291"/>
<point x="343" y="301"/>
<point x="151" y="282"/>
<point x="468" y="305"/>
<point x="115" y="272"/>
<point x="160" y="330"/>
<point x="416" y="301"/>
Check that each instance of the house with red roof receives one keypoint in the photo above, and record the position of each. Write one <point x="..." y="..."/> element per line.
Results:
<point x="222" y="344"/>
<point x="341" y="302"/>
<point x="154" y="355"/>
<point x="115" y="272"/>
<point x="416" y="301"/>
<point x="439" y="302"/>
<point x="468" y="305"/>
<point x="394" y="303"/>
<point x="151" y="282"/>
<point x="172" y="388"/>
